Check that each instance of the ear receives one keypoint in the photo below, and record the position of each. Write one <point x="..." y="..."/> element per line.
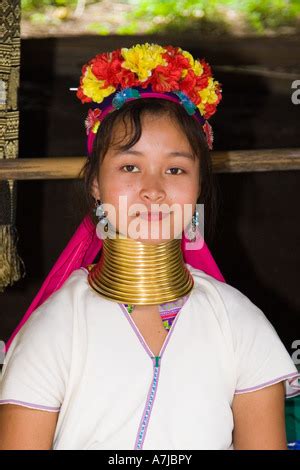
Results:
<point x="95" y="189"/>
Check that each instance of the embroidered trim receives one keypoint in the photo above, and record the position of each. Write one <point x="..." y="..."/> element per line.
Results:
<point x="289" y="377"/>
<point x="168" y="311"/>
<point x="29" y="405"/>
<point x="149" y="404"/>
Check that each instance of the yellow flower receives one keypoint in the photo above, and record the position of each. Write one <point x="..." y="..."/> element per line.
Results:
<point x="197" y="67"/>
<point x="184" y="73"/>
<point x="195" y="64"/>
<point x="92" y="87"/>
<point x="208" y="94"/>
<point x="95" y="127"/>
<point x="142" y="59"/>
<point x="201" y="108"/>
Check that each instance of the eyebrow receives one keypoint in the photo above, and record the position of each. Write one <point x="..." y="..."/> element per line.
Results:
<point x="170" y="154"/>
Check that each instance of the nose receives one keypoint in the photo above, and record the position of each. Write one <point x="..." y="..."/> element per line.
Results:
<point x="152" y="191"/>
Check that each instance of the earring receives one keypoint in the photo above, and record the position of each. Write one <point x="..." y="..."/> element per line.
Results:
<point x="191" y="235"/>
<point x="103" y="220"/>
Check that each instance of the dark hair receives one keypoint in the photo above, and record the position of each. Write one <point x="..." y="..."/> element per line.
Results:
<point x="133" y="110"/>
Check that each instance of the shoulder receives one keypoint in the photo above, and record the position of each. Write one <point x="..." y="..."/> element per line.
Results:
<point x="65" y="297"/>
<point x="38" y="362"/>
<point x="222" y="291"/>
<point x="53" y="319"/>
<point x="227" y="300"/>
<point x="260" y="356"/>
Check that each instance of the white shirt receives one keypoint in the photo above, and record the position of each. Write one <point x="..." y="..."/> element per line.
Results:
<point x="82" y="355"/>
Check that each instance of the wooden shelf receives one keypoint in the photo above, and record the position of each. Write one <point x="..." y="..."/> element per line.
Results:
<point x="237" y="161"/>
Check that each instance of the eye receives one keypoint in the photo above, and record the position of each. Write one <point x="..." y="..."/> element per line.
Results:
<point x="129" y="166"/>
<point x="176" y="174"/>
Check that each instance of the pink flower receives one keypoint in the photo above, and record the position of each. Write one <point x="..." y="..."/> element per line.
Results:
<point x="209" y="134"/>
<point x="92" y="118"/>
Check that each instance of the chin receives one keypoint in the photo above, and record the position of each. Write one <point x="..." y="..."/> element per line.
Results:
<point x="160" y="234"/>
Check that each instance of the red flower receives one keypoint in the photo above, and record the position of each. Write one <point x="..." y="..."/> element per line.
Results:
<point x="188" y="83"/>
<point x="83" y="70"/>
<point x="171" y="50"/>
<point x="126" y="78"/>
<point x="165" y="78"/>
<point x="218" y="93"/>
<point x="177" y="60"/>
<point x="210" y="109"/>
<point x="194" y="96"/>
<point x="82" y="97"/>
<point x="206" y="68"/>
<point x="80" y="94"/>
<point x="201" y="82"/>
<point x="106" y="66"/>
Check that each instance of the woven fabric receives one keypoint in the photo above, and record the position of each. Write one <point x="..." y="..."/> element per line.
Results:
<point x="11" y="265"/>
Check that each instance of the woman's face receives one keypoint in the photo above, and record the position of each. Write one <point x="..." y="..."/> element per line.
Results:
<point x="156" y="175"/>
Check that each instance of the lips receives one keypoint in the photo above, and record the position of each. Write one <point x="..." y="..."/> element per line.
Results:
<point x="153" y="215"/>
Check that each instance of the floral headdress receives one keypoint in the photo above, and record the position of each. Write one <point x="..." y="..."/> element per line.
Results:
<point x="148" y="70"/>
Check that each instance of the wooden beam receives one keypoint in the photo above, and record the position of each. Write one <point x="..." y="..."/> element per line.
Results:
<point x="41" y="168"/>
<point x="235" y="161"/>
<point x="240" y="161"/>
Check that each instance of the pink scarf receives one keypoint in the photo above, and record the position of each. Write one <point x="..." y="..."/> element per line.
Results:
<point x="83" y="248"/>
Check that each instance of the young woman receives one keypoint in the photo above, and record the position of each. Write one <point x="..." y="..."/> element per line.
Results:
<point x="135" y="340"/>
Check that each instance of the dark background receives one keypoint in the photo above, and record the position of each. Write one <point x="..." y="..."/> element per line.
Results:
<point x="256" y="244"/>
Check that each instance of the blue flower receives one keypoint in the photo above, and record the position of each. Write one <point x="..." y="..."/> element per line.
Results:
<point x="122" y="96"/>
<point x="188" y="105"/>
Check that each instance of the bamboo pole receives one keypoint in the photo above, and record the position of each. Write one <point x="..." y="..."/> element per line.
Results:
<point x="235" y="161"/>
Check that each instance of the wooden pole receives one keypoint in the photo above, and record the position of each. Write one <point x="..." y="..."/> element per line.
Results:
<point x="235" y="161"/>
